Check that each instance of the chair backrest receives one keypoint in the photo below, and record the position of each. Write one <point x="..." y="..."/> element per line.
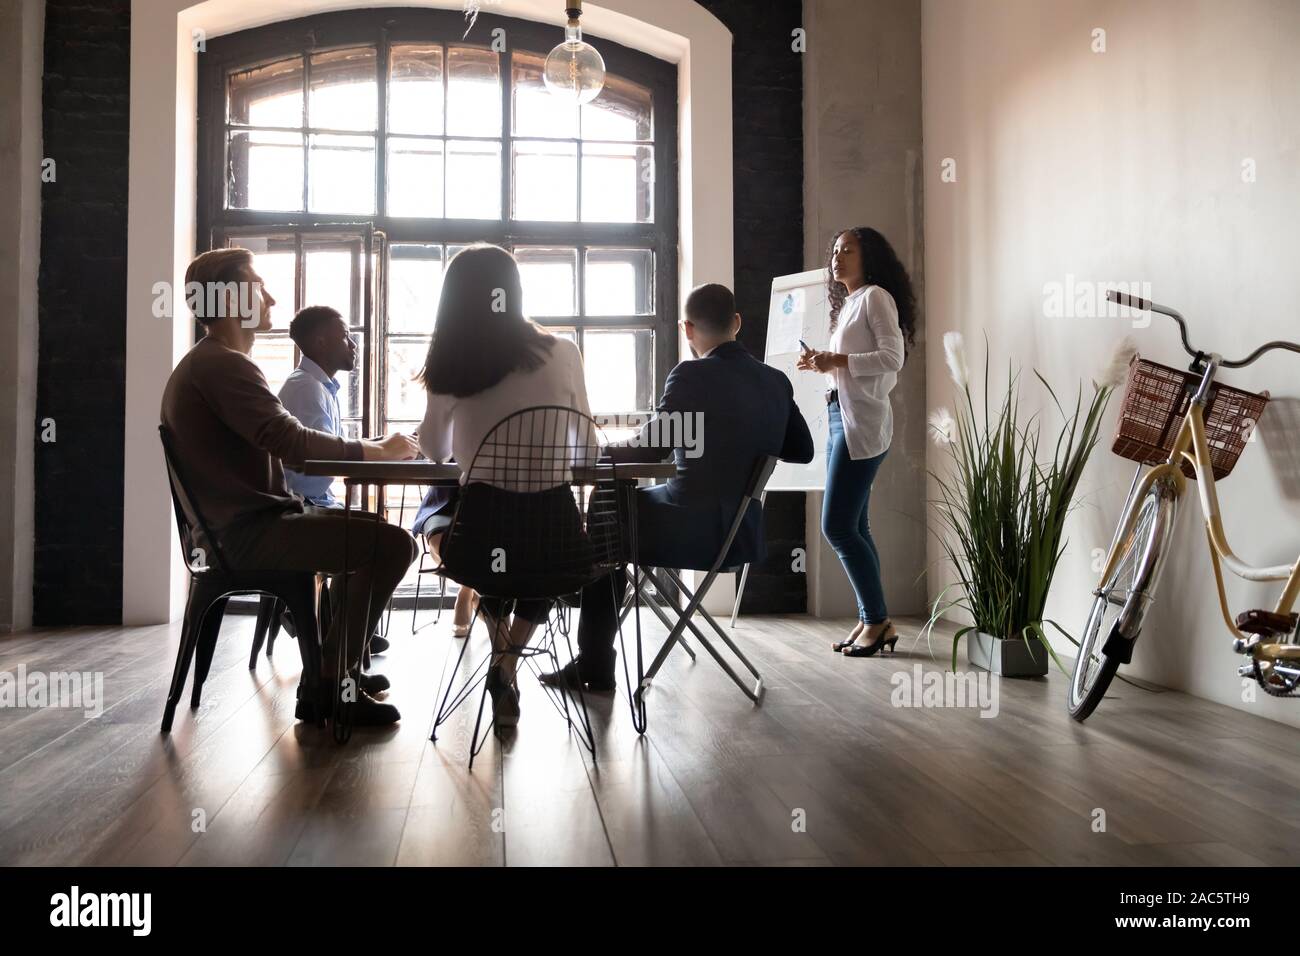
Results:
<point x="522" y="528"/>
<point x="536" y="449"/>
<point x="185" y="506"/>
<point x="757" y="484"/>
<point x="762" y="474"/>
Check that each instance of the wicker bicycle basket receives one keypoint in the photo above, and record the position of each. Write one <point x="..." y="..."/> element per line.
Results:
<point x="1156" y="399"/>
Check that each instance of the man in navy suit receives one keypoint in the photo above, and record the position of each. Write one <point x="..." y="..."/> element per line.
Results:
<point x="719" y="414"/>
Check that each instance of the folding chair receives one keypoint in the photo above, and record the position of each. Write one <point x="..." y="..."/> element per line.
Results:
<point x="519" y="534"/>
<point x="213" y="581"/>
<point x="754" y="491"/>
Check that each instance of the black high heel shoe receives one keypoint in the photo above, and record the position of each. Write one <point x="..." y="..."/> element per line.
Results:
<point x="838" y="646"/>
<point x="888" y="638"/>
<point x="505" y="698"/>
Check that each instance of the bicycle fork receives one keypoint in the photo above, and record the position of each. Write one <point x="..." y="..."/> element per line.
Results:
<point x="1165" y="482"/>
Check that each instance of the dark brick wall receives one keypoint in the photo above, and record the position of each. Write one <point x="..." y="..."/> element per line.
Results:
<point x="81" y="380"/>
<point x="767" y="139"/>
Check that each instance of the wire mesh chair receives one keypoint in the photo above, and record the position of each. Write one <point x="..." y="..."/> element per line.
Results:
<point x="534" y="522"/>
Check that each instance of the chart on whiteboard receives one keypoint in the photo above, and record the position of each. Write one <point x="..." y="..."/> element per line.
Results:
<point x="798" y="311"/>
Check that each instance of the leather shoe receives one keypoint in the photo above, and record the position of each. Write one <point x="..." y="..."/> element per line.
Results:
<point x="570" y="678"/>
<point x="366" y="711"/>
<point x="374" y="684"/>
<point x="378" y="645"/>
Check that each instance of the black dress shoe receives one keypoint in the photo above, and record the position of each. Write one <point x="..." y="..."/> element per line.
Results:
<point x="374" y="684"/>
<point x="366" y="711"/>
<point x="378" y="645"/>
<point x="570" y="678"/>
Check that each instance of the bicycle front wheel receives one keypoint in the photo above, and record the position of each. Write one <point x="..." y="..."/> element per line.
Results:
<point x="1122" y="601"/>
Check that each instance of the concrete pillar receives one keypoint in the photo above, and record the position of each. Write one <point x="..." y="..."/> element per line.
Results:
<point x="862" y="155"/>
<point x="22" y="29"/>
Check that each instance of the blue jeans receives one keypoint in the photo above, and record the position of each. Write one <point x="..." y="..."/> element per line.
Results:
<point x="844" y="519"/>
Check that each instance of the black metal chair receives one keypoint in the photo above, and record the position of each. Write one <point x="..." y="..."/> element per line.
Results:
<point x="213" y="581"/>
<point x="267" y="629"/>
<point x="525" y="529"/>
<point x="754" y="491"/>
<point x="426" y="557"/>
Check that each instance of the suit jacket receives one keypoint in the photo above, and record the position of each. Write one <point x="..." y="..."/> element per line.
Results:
<point x="718" y="415"/>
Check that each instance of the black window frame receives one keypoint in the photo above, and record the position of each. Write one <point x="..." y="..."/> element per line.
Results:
<point x="382" y="28"/>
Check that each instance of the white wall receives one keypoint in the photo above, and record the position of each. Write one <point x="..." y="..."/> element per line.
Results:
<point x="22" y="35"/>
<point x="862" y="167"/>
<point x="161" y="213"/>
<point x="1123" y="166"/>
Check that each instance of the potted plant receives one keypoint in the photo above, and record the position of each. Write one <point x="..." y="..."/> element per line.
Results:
<point x="1001" y="508"/>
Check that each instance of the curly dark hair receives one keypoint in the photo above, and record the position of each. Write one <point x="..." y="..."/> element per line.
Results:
<point x="880" y="266"/>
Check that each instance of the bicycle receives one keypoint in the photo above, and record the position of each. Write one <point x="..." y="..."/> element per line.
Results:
<point x="1185" y="425"/>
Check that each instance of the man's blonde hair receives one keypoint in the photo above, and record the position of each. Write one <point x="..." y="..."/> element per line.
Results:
<point x="216" y="265"/>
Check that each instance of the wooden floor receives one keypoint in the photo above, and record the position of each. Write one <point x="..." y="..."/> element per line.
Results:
<point x="825" y="771"/>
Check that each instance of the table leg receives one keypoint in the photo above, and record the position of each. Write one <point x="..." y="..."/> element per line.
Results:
<point x="341" y="710"/>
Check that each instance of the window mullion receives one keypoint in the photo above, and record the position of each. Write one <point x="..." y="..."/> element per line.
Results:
<point x="506" y="71"/>
<point x="381" y="143"/>
<point x="446" y="142"/>
<point x="306" y="121"/>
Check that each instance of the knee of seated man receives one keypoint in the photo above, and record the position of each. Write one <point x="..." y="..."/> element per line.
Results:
<point x="395" y="546"/>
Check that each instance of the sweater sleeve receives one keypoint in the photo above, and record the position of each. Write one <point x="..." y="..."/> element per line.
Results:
<point x="882" y="318"/>
<point x="236" y="390"/>
<point x="435" y="430"/>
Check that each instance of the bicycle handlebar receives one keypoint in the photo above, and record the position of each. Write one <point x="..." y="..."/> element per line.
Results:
<point x="1146" y="305"/>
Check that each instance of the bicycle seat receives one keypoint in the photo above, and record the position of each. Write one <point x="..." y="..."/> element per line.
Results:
<point x="1266" y="623"/>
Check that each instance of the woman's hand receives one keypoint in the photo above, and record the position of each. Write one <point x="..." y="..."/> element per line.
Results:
<point x="821" y="361"/>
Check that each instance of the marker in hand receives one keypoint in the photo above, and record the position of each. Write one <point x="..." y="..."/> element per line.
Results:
<point x="804" y="345"/>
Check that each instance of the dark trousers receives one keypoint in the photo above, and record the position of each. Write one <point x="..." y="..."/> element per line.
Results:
<point x="320" y="539"/>
<point x="598" y="624"/>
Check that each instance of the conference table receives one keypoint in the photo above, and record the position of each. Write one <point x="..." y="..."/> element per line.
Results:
<point x="378" y="474"/>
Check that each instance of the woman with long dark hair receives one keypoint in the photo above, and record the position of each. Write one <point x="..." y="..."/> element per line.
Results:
<point x="873" y="323"/>
<point x="486" y="361"/>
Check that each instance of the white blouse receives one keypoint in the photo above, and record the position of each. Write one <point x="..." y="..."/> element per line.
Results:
<point x="457" y="426"/>
<point x="868" y="332"/>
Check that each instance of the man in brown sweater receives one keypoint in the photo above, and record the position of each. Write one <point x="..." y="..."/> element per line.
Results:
<point x="230" y="435"/>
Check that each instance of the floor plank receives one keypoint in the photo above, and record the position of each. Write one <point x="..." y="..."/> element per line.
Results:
<point x="829" y="769"/>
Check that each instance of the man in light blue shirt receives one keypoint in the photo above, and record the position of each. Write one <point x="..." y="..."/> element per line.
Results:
<point x="310" y="393"/>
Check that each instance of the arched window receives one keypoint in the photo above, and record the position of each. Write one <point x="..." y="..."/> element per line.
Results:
<point x="356" y="152"/>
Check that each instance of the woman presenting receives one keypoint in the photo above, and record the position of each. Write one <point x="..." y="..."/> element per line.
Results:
<point x="873" y="322"/>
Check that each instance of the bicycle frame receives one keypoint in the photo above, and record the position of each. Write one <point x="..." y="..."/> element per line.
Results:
<point x="1191" y="445"/>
